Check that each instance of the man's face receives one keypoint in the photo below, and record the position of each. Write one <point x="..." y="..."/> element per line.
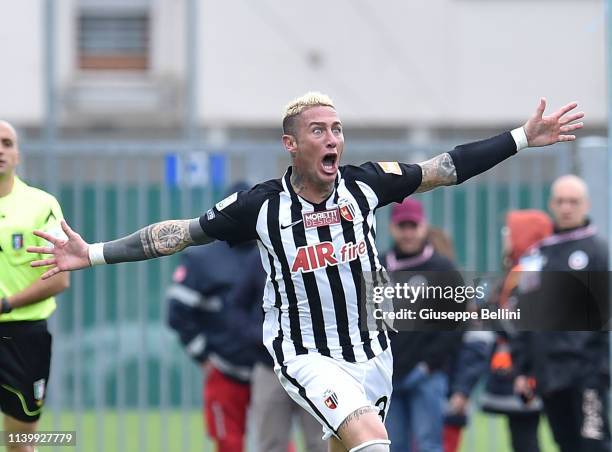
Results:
<point x="9" y="153"/>
<point x="569" y="205"/>
<point x="409" y="236"/>
<point x="318" y="144"/>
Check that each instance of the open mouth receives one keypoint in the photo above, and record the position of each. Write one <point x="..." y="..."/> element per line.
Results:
<point x="329" y="163"/>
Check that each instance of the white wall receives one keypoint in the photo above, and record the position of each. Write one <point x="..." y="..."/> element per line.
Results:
<point x="424" y="62"/>
<point x="416" y="64"/>
<point x="21" y="66"/>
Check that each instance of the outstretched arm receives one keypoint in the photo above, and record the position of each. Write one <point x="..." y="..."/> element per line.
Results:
<point x="469" y="160"/>
<point x="159" y="239"/>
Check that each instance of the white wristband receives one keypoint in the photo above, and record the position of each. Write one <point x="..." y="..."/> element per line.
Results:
<point x="96" y="254"/>
<point x="520" y="138"/>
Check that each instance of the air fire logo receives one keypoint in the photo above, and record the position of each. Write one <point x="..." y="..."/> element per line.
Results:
<point x="312" y="257"/>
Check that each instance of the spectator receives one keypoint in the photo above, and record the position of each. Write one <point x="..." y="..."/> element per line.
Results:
<point x="420" y="381"/>
<point x="571" y="368"/>
<point x="524" y="229"/>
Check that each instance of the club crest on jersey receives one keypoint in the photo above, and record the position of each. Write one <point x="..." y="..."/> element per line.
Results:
<point x="17" y="240"/>
<point x="319" y="219"/>
<point x="347" y="210"/>
<point x="330" y="399"/>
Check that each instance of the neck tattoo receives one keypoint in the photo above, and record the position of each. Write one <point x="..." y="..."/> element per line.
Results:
<point x="320" y="192"/>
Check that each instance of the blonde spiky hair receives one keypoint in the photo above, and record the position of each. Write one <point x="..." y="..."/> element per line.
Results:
<point x="302" y="103"/>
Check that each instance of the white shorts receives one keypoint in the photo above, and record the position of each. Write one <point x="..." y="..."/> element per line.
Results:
<point x="331" y="389"/>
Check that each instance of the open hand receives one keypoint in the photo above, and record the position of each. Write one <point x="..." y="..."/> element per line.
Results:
<point x="544" y="130"/>
<point x="70" y="254"/>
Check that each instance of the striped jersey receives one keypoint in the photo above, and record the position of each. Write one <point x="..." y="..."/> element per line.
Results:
<point x="315" y="256"/>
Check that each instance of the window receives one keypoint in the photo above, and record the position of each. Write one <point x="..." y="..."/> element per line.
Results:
<point x="113" y="39"/>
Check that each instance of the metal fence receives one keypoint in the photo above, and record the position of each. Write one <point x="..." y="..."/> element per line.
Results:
<point x="119" y="377"/>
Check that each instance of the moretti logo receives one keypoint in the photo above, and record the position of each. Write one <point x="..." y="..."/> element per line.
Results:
<point x="320" y="219"/>
<point x="312" y="257"/>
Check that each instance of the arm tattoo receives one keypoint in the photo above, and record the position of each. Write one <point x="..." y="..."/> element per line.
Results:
<point x="437" y="172"/>
<point x="159" y="239"/>
<point x="355" y="415"/>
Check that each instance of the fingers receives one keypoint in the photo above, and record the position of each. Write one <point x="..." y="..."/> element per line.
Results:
<point x="40" y="249"/>
<point x="565" y="109"/>
<point x="567" y="137"/>
<point x="48" y="274"/>
<point x="570" y="118"/>
<point x="571" y="127"/>
<point x="541" y="107"/>
<point x="44" y="262"/>
<point x="67" y="230"/>
<point x="48" y="237"/>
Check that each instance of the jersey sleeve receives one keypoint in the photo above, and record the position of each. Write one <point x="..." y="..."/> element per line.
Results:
<point x="234" y="219"/>
<point x="390" y="181"/>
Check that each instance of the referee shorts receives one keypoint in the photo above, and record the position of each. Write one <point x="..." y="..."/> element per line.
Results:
<point x="331" y="389"/>
<point x="25" y="359"/>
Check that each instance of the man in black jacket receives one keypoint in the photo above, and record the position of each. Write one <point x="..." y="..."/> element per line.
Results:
<point x="571" y="367"/>
<point x="420" y="382"/>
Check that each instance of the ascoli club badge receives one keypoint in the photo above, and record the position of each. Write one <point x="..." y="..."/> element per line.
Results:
<point x="347" y="210"/>
<point x="330" y="399"/>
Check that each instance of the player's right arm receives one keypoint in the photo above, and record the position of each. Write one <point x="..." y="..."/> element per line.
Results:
<point x="232" y="220"/>
<point x="155" y="240"/>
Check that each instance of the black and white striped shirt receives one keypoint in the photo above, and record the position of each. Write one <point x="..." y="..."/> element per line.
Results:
<point x="315" y="256"/>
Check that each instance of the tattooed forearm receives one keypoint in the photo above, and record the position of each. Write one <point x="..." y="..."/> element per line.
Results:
<point x="355" y="415"/>
<point x="437" y="172"/>
<point x="165" y="238"/>
<point x="159" y="239"/>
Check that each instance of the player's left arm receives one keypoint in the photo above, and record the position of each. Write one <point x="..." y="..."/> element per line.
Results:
<point x="469" y="160"/>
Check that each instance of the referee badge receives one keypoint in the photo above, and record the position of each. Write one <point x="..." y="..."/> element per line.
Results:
<point x="331" y="399"/>
<point x="347" y="210"/>
<point x="17" y="240"/>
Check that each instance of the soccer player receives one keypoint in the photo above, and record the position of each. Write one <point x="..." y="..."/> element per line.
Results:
<point x="315" y="229"/>
<point x="26" y="301"/>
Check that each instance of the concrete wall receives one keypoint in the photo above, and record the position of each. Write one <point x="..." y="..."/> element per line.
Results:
<point x="423" y="62"/>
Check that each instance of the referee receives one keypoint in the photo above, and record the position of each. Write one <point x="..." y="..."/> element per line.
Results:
<point x="26" y="300"/>
<point x="315" y="228"/>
